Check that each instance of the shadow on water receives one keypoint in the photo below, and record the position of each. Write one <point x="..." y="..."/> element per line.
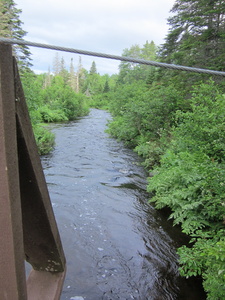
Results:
<point x="117" y="245"/>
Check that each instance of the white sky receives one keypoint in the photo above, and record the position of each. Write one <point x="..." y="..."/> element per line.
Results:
<point x="106" y="26"/>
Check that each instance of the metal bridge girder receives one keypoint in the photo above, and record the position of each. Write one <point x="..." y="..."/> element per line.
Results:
<point x="27" y="222"/>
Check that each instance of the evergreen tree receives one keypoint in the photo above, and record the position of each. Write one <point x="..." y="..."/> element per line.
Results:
<point x="72" y="76"/>
<point x="197" y="34"/>
<point x="63" y="72"/>
<point x="81" y="76"/>
<point x="56" y="64"/>
<point x="62" y="65"/>
<point x="149" y="50"/>
<point x="93" y="69"/>
<point x="47" y="79"/>
<point x="11" y="27"/>
<point x="106" y="86"/>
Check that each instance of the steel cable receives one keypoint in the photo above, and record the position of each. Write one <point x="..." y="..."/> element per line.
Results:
<point x="110" y="56"/>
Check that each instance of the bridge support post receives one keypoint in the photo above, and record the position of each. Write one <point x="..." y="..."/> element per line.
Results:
<point x="27" y="222"/>
<point x="12" y="271"/>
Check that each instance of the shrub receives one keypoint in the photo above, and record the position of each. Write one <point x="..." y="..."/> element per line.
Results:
<point x="45" y="139"/>
<point x="190" y="180"/>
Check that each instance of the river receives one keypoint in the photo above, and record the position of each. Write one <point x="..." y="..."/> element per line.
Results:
<point x="117" y="245"/>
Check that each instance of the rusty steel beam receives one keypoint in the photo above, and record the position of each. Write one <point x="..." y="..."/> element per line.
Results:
<point x="12" y="270"/>
<point x="43" y="248"/>
<point x="42" y="244"/>
<point x="26" y="216"/>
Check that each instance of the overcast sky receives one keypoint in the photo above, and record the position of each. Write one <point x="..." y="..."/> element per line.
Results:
<point x="106" y="26"/>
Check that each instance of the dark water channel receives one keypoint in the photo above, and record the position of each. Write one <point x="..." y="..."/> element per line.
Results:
<point x="117" y="246"/>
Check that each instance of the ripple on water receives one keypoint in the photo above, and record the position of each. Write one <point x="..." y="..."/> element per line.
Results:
<point x="117" y="246"/>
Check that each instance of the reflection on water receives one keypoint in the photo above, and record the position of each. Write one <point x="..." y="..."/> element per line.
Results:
<point x="117" y="246"/>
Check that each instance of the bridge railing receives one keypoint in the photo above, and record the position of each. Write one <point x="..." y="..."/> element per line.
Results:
<point x="28" y="227"/>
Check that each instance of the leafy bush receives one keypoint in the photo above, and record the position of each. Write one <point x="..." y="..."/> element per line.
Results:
<point x="207" y="259"/>
<point x="143" y="118"/>
<point x="100" y="101"/>
<point x="192" y="186"/>
<point x="152" y="149"/>
<point x="45" y="139"/>
<point x="52" y="101"/>
<point x="61" y="103"/>
<point x="48" y="115"/>
<point x="190" y="180"/>
<point x="74" y="105"/>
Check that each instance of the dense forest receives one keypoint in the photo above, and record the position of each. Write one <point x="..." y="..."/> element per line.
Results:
<point x="175" y="120"/>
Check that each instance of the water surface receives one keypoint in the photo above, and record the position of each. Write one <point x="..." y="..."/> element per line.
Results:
<point x="117" y="245"/>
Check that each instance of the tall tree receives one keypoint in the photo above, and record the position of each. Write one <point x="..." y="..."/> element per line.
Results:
<point x="47" y="79"/>
<point x="197" y="34"/>
<point x="62" y="65"/>
<point x="81" y="76"/>
<point x="63" y="72"/>
<point x="149" y="50"/>
<point x="11" y="27"/>
<point x="129" y="71"/>
<point x="93" y="69"/>
<point x="106" y="88"/>
<point x="56" y="64"/>
<point x="72" y="76"/>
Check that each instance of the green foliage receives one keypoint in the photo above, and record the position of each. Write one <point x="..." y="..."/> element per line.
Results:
<point x="45" y="139"/>
<point x="143" y="117"/>
<point x="196" y="36"/>
<point x="93" y="69"/>
<point x="32" y="86"/>
<point x="100" y="101"/>
<point x="57" y="102"/>
<point x="11" y="27"/>
<point x="96" y="84"/>
<point x="190" y="176"/>
<point x="50" y="116"/>
<point x="192" y="186"/>
<point x="106" y="88"/>
<point x="207" y="259"/>
<point x="51" y="101"/>
<point x="125" y="100"/>
<point x="130" y="72"/>
<point x="152" y="149"/>
<point x="75" y="106"/>
<point x="204" y="123"/>
<point x="190" y="180"/>
<point x="179" y="130"/>
<point x="99" y="89"/>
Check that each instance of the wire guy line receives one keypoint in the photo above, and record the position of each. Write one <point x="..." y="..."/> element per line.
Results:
<point x="110" y="56"/>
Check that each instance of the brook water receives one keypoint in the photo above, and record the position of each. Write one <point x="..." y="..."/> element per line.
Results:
<point x="117" y="245"/>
